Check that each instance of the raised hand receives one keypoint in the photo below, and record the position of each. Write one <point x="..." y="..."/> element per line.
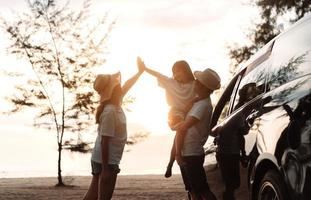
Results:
<point x="141" y="65"/>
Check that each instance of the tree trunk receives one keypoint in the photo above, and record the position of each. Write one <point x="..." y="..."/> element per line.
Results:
<point x="59" y="177"/>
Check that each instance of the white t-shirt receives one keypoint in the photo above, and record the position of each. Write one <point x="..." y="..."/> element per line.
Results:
<point x="178" y="95"/>
<point x="112" y="123"/>
<point x="197" y="135"/>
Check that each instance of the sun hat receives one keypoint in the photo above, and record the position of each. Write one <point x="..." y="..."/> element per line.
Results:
<point x="209" y="78"/>
<point x="105" y="83"/>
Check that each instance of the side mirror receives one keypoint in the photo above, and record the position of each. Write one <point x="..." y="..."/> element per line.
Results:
<point x="215" y="131"/>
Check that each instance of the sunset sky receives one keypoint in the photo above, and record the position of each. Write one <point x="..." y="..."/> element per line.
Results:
<point x="161" y="32"/>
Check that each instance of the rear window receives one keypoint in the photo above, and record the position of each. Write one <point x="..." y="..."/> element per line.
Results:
<point x="291" y="55"/>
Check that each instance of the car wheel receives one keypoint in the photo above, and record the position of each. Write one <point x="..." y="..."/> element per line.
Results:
<point x="271" y="187"/>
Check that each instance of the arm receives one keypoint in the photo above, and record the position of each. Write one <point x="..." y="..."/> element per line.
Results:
<point x="185" y="125"/>
<point x="153" y="73"/>
<point x="105" y="179"/>
<point x="105" y="150"/>
<point x="180" y="136"/>
<point x="130" y="82"/>
<point x="106" y="129"/>
<point x="150" y="71"/>
<point x="191" y="102"/>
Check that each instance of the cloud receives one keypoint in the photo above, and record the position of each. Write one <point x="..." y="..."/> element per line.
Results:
<point x="181" y="14"/>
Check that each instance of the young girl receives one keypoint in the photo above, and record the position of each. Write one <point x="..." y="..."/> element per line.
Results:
<point x="112" y="134"/>
<point x="180" y="96"/>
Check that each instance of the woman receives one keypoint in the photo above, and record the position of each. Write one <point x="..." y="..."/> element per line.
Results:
<point x="112" y="134"/>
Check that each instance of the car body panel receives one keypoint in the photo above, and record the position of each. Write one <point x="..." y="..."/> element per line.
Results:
<point x="277" y="122"/>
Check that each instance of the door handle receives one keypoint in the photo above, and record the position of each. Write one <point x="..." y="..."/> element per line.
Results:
<point x="251" y="118"/>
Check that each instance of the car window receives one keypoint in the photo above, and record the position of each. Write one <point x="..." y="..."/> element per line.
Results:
<point x="251" y="85"/>
<point x="222" y="108"/>
<point x="224" y="112"/>
<point x="291" y="55"/>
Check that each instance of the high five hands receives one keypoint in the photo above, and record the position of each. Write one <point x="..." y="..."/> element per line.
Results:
<point x="141" y="65"/>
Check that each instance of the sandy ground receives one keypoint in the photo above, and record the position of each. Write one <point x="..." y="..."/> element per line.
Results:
<point x="127" y="188"/>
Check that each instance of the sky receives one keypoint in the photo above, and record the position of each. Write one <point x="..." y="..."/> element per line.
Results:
<point x="161" y="32"/>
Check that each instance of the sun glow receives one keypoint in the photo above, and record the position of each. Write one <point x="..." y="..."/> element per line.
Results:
<point x="149" y="110"/>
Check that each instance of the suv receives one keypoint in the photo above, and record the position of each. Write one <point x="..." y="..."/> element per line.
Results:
<point x="271" y="96"/>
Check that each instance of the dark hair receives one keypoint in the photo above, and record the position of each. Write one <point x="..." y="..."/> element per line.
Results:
<point x="183" y="65"/>
<point x="243" y="94"/>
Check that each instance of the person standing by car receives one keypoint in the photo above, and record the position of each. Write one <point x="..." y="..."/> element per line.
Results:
<point x="231" y="145"/>
<point x="277" y="143"/>
<point x="194" y="131"/>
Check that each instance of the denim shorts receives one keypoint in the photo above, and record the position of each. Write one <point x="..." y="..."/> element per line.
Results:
<point x="97" y="168"/>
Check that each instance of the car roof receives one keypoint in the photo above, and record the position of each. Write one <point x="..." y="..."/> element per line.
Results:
<point x="254" y="59"/>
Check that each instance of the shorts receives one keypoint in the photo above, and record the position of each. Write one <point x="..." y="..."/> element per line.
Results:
<point x="97" y="168"/>
<point x="193" y="174"/>
<point x="230" y="170"/>
<point x="175" y="117"/>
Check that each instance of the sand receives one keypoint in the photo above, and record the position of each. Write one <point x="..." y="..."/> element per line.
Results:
<point x="129" y="187"/>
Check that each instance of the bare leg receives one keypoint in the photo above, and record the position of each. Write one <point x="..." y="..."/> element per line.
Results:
<point x="168" y="172"/>
<point x="179" y="142"/>
<point x="107" y="184"/>
<point x="92" y="192"/>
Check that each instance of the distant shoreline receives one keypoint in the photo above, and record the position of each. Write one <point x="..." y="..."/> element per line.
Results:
<point x="49" y="174"/>
<point x="84" y="174"/>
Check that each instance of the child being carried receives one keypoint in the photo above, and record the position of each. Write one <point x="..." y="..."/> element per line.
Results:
<point x="180" y="96"/>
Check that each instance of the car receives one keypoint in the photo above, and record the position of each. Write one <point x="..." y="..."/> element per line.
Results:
<point x="275" y="113"/>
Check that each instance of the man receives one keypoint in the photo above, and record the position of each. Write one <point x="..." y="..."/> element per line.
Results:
<point x="193" y="133"/>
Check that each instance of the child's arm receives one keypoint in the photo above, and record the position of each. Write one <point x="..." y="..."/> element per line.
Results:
<point x="130" y="82"/>
<point x="180" y="136"/>
<point x="154" y="73"/>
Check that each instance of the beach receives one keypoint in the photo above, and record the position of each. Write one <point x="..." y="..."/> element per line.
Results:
<point x="128" y="187"/>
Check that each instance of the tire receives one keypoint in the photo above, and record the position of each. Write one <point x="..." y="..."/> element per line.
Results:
<point x="272" y="187"/>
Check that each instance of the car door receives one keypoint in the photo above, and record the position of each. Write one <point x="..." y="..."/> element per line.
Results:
<point x="239" y="108"/>
<point x="284" y="131"/>
<point x="240" y="105"/>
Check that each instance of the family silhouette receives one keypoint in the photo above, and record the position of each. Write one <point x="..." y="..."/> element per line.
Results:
<point x="188" y="96"/>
